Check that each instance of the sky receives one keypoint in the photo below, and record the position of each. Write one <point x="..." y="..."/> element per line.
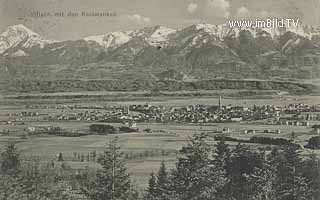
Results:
<point x="135" y="14"/>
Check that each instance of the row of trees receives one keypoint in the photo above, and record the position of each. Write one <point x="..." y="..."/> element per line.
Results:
<point x="105" y="129"/>
<point x="202" y="172"/>
<point x="222" y="173"/>
<point x="257" y="140"/>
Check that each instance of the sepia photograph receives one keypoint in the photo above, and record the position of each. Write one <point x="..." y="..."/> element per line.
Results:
<point x="159" y="99"/>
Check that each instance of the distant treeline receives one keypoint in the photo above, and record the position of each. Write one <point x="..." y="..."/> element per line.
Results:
<point x="152" y="93"/>
<point x="258" y="140"/>
<point x="105" y="129"/>
<point x="136" y="85"/>
<point x="313" y="143"/>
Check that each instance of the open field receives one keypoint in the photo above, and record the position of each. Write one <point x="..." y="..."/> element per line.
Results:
<point x="172" y="98"/>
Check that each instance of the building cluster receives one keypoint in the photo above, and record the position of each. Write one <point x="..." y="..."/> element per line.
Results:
<point x="178" y="114"/>
<point x="89" y="114"/>
<point x="291" y="115"/>
<point x="23" y="114"/>
<point x="299" y="115"/>
<point x="204" y="114"/>
<point x="298" y="108"/>
<point x="43" y="129"/>
<point x="227" y="130"/>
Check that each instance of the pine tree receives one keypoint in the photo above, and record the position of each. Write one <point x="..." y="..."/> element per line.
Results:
<point x="94" y="155"/>
<point x="221" y="153"/>
<point x="82" y="158"/>
<point x="242" y="165"/>
<point x="221" y="157"/>
<point x="152" y="188"/>
<point x="312" y="173"/>
<point x="263" y="180"/>
<point x="113" y="181"/>
<point x="195" y="177"/>
<point x="9" y="171"/>
<point x="60" y="157"/>
<point x="291" y="182"/>
<point x="162" y="186"/>
<point x="10" y="160"/>
<point x="88" y="157"/>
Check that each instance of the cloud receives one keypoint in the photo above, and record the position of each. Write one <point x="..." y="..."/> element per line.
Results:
<point x="243" y="12"/>
<point x="264" y="14"/>
<point x="267" y="14"/>
<point x="192" y="7"/>
<point x="138" y="19"/>
<point x="220" y="7"/>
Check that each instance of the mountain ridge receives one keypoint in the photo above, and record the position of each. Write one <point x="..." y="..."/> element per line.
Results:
<point x="200" y="51"/>
<point x="221" y="31"/>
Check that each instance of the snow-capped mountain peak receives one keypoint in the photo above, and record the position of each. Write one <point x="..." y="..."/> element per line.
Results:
<point x="19" y="36"/>
<point x="153" y="35"/>
<point x="112" y="39"/>
<point x="18" y="29"/>
<point x="160" y="36"/>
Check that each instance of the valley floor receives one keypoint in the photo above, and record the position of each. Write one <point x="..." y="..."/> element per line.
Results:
<point x="144" y="150"/>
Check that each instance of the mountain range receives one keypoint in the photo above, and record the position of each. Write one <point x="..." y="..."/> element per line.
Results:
<point x="196" y="52"/>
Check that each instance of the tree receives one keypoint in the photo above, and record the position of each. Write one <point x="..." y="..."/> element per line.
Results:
<point x="10" y="160"/>
<point x="112" y="182"/>
<point x="311" y="171"/>
<point x="60" y="157"/>
<point x="241" y="166"/>
<point x="82" y="158"/>
<point x="314" y="143"/>
<point x="152" y="188"/>
<point x="221" y="157"/>
<point x="195" y="177"/>
<point x="263" y="180"/>
<point x="293" y="136"/>
<point x="159" y="185"/>
<point x="162" y="184"/>
<point x="291" y="184"/>
<point x="221" y="153"/>
<point x="94" y="155"/>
